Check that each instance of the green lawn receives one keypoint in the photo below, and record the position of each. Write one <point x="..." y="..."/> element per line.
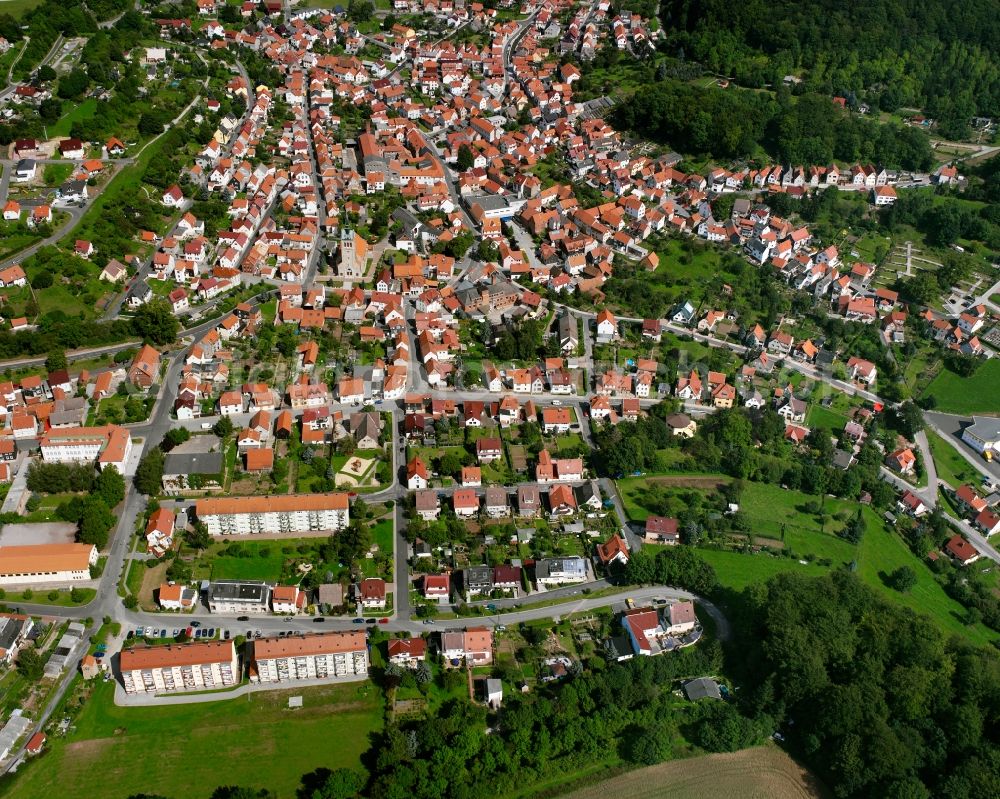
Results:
<point x="17" y="8"/>
<point x="225" y="567"/>
<point x="967" y="395"/>
<point x="189" y="750"/>
<point x="951" y="466"/>
<point x="76" y="113"/>
<point x="382" y="534"/>
<point x="57" y="174"/>
<point x="769" y="509"/>
<point x="882" y="551"/>
<point x="822" y="418"/>
<point x="41" y="597"/>
<point x="737" y="570"/>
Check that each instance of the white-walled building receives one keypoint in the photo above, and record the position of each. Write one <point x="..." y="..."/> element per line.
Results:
<point x="46" y="563"/>
<point x="309" y="657"/>
<point x="292" y="514"/>
<point x="184" y="667"/>
<point x="234" y="596"/>
<point x="109" y="445"/>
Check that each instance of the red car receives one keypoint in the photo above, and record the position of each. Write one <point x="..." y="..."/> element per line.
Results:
<point x="383" y="621"/>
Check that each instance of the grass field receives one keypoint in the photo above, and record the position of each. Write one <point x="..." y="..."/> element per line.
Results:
<point x="77" y="112"/>
<point x="189" y="750"/>
<point x="737" y="570"/>
<point x="968" y="395"/>
<point x="771" y="508"/>
<point x="881" y="552"/>
<point x="382" y="534"/>
<point x="17" y="8"/>
<point x="763" y="771"/>
<point x="225" y="567"/>
<point x="951" y="466"/>
<point x="823" y="418"/>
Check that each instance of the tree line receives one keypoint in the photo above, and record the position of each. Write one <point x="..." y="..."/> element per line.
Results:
<point x="870" y="695"/>
<point x="736" y="123"/>
<point x="939" y="55"/>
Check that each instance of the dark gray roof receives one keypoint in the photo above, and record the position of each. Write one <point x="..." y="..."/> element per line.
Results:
<point x="244" y="592"/>
<point x="478" y="577"/>
<point x="702" y="688"/>
<point x="10" y="630"/>
<point x="193" y="463"/>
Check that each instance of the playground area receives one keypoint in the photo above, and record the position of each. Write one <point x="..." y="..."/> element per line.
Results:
<point x="356" y="472"/>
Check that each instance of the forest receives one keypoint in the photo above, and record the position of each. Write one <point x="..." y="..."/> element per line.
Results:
<point x="870" y="695"/>
<point x="805" y="130"/>
<point x="939" y="56"/>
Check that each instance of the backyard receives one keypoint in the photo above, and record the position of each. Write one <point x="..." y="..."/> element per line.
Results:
<point x="200" y="746"/>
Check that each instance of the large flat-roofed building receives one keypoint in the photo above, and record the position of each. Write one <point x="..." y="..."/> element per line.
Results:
<point x="292" y="515"/>
<point x="46" y="563"/>
<point x="183" y="667"/>
<point x="309" y="657"/>
<point x="109" y="445"/>
<point x="233" y="596"/>
<point x="983" y="435"/>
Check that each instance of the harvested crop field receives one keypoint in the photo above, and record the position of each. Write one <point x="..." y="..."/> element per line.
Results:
<point x="760" y="773"/>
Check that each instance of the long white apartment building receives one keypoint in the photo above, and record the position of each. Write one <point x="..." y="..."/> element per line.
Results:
<point x="182" y="667"/>
<point x="109" y="445"/>
<point x="309" y="657"/>
<point x="291" y="515"/>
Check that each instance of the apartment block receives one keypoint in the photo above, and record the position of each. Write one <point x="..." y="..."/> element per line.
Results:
<point x="183" y="667"/>
<point x="287" y="515"/>
<point x="309" y="657"/>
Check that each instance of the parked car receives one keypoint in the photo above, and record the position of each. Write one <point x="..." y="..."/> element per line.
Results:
<point x="242" y="618"/>
<point x="319" y="620"/>
<point x="189" y="632"/>
<point x="359" y="621"/>
<point x="383" y="621"/>
<point x="211" y="632"/>
<point x="370" y="621"/>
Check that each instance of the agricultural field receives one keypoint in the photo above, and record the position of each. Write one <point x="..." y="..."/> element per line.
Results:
<point x="748" y="774"/>
<point x="201" y="746"/>
<point x="967" y="395"/>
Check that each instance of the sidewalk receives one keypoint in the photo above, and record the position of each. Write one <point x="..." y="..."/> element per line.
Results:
<point x="123" y="699"/>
